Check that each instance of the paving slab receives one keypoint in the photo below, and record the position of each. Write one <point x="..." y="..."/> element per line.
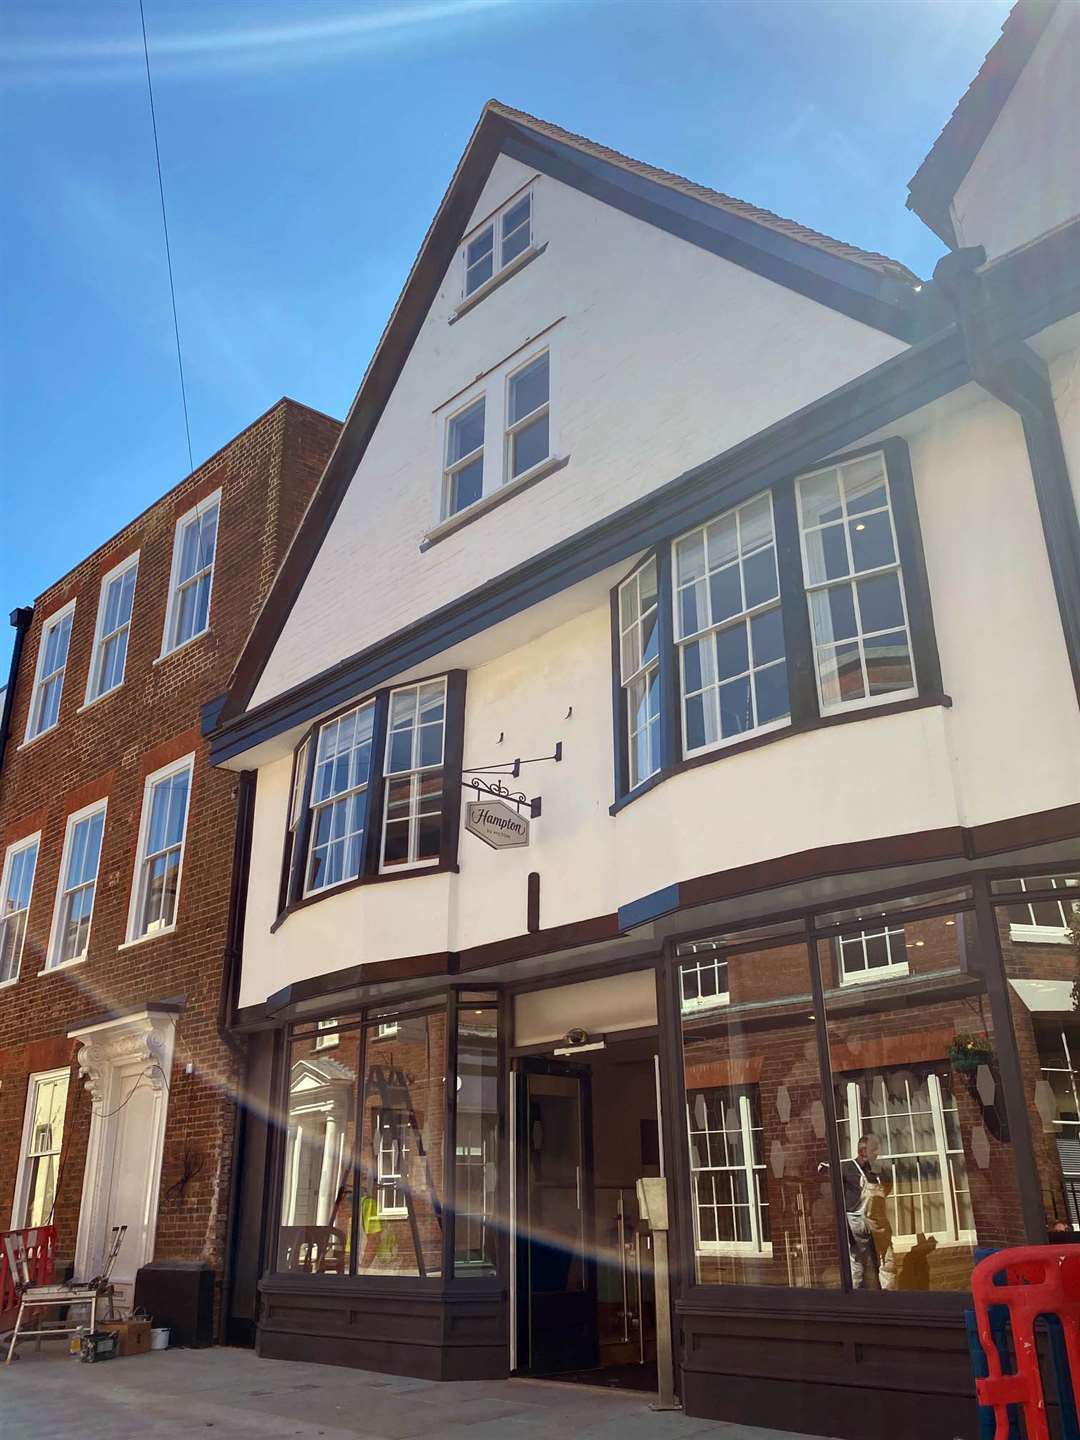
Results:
<point x="224" y="1393"/>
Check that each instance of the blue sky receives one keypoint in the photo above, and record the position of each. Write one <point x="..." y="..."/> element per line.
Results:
<point x="306" y="144"/>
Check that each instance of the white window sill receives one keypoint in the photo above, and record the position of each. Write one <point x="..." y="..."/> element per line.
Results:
<point x="481" y="292"/>
<point x="63" y="965"/>
<point x="33" y="739"/>
<point x="145" y="939"/>
<point x="6" y="984"/>
<point x="735" y="1250"/>
<point x="782" y="724"/>
<point x="714" y="1002"/>
<point x="89" y="704"/>
<point x="393" y="1214"/>
<point x="413" y="867"/>
<point x="168" y="654"/>
<point x="1039" y="935"/>
<point x="882" y="972"/>
<point x="869" y="702"/>
<point x="489" y="502"/>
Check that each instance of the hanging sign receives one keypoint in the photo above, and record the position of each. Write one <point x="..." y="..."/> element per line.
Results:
<point x="496" y="824"/>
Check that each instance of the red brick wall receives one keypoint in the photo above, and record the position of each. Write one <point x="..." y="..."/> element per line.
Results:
<point x="266" y="475"/>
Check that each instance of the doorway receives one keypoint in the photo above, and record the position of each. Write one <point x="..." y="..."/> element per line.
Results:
<point x="587" y="1128"/>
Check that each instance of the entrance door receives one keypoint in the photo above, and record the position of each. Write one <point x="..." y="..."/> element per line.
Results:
<point x="557" y="1319"/>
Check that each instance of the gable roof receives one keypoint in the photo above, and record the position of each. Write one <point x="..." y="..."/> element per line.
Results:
<point x="872" y="259"/>
<point x="932" y="187"/>
<point x="866" y="286"/>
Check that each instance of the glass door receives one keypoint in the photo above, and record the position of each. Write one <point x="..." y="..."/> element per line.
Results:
<point x="557" y="1321"/>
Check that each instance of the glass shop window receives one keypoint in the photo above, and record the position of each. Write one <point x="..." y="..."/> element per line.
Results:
<point x="316" y="1226"/>
<point x="927" y="1171"/>
<point x="755" y="1119"/>
<point x="402" y="1146"/>
<point x="476" y="1145"/>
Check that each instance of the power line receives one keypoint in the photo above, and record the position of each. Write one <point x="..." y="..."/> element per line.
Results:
<point x="165" y="227"/>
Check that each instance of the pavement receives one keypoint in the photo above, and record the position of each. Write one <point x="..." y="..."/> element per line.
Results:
<point x="223" y="1393"/>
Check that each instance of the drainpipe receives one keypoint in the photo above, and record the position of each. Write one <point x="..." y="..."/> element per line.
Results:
<point x="1014" y="374"/>
<point x="20" y="620"/>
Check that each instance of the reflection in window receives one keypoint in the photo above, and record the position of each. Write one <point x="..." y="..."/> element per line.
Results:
<point x="639" y="651"/>
<point x="704" y="980"/>
<point x="727" y="1171"/>
<point x="1047" y="918"/>
<point x="872" y="955"/>
<point x="1057" y="1099"/>
<point x="317" y="1185"/>
<point x="412" y="825"/>
<point x="339" y="798"/>
<point x="476" y="1148"/>
<point x="401" y="1149"/>
<point x="46" y="1104"/>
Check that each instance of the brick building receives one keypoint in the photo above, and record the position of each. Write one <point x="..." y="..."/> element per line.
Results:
<point x="117" y="847"/>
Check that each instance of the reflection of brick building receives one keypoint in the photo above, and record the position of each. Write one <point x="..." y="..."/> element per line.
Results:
<point x="117" y="846"/>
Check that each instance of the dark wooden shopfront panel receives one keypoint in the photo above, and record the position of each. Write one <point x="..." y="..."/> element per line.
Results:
<point x="430" y="1334"/>
<point x="830" y="1372"/>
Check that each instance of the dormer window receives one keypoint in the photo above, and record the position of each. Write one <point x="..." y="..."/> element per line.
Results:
<point x="498" y="243"/>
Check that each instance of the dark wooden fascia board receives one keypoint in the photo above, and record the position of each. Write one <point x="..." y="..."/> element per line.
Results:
<point x="901" y="385"/>
<point x="841" y="284"/>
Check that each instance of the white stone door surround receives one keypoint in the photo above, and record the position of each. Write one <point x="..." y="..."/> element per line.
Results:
<point x="127" y="1062"/>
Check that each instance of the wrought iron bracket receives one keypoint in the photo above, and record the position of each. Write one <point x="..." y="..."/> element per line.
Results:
<point x="511" y="769"/>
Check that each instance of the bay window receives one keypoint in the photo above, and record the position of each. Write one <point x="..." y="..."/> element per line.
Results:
<point x="791" y="608"/>
<point x="376" y="790"/>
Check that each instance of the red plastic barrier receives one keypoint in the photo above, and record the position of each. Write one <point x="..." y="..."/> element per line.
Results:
<point x="40" y="1242"/>
<point x="1037" y="1280"/>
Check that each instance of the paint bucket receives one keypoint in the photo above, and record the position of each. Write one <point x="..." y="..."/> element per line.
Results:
<point x="159" y="1337"/>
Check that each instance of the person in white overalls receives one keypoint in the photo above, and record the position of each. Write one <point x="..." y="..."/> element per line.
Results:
<point x="873" y="1263"/>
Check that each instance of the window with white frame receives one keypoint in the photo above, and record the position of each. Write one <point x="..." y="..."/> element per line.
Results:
<point x="1062" y="1075"/>
<point x="160" y="858"/>
<point x="499" y="241"/>
<point x="730" y="628"/>
<point x="194" y="551"/>
<point x="499" y="432"/>
<point x="413" y="799"/>
<point x="639" y="649"/>
<point x="527" y="429"/>
<point x="111" y="629"/>
<point x="77" y="885"/>
<point x="913" y="1113"/>
<point x="389" y="1165"/>
<point x="703" y="978"/>
<point x="49" y="677"/>
<point x="872" y="955"/>
<point x="339" y="798"/>
<point x="854" y="585"/>
<point x="329" y="1035"/>
<point x="43" y="1141"/>
<point x="463" y="475"/>
<point x="16" y="888"/>
<point x="727" y="1171"/>
<point x="1047" y="919"/>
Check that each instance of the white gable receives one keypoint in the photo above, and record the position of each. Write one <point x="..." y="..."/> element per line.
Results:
<point x="663" y="355"/>
<point x="1025" y="179"/>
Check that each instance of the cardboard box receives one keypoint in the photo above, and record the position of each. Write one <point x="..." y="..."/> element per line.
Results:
<point x="133" y="1335"/>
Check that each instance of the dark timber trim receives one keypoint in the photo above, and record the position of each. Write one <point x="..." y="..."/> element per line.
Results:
<point x="20" y="620"/>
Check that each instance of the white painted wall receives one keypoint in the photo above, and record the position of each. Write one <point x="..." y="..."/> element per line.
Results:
<point x="1009" y="746"/>
<point x="1026" y="178"/>
<point x="667" y="356"/>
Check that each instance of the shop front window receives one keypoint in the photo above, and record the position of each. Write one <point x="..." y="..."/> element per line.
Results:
<point x="476" y="1147"/>
<point x="315" y="1230"/>
<point x="756" y="1124"/>
<point x="402" y="1146"/>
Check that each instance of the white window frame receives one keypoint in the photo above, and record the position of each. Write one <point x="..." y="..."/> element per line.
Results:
<point x="1036" y="934"/>
<point x="20" y="1197"/>
<point x="315" y="806"/>
<point x="710" y="629"/>
<point x="494" y="389"/>
<point x="388" y="1174"/>
<point x="893" y="971"/>
<point x="512" y="428"/>
<point x="852" y="578"/>
<point x="135" y="902"/>
<point x="16" y="848"/>
<point x="332" y="1035"/>
<point x="640" y="674"/>
<point x="494" y="223"/>
<point x="197" y="511"/>
<point x="55" y="619"/>
<point x="857" y="1124"/>
<point x="52" y="962"/>
<point x="415" y="775"/>
<point x="755" y="1173"/>
<point x="100" y="638"/>
<point x="709" y="959"/>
